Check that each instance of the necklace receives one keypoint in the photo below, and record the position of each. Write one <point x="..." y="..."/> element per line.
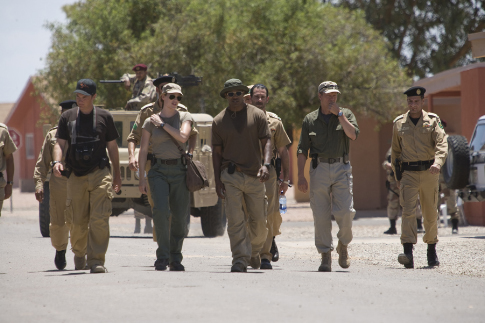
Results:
<point x="233" y="114"/>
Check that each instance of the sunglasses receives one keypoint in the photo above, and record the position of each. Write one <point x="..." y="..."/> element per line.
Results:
<point x="231" y="94"/>
<point x="171" y="97"/>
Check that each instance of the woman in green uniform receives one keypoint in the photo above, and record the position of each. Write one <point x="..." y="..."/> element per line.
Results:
<point x="167" y="176"/>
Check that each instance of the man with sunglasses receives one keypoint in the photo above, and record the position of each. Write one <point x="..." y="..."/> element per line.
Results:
<point x="326" y="133"/>
<point x="143" y="90"/>
<point x="238" y="133"/>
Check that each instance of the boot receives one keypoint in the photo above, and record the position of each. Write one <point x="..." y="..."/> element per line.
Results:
<point x="343" y="255"/>
<point x="60" y="259"/>
<point x="419" y="223"/>
<point x="392" y="229"/>
<point x="137" y="226"/>
<point x="454" y="223"/>
<point x="148" y="225"/>
<point x="326" y="262"/>
<point x="406" y="258"/>
<point x="432" y="256"/>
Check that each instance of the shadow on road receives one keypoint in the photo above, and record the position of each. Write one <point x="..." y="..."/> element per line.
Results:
<point x="477" y="237"/>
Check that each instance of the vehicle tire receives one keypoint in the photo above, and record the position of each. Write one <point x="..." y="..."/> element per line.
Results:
<point x="213" y="220"/>
<point x="457" y="166"/>
<point x="44" y="212"/>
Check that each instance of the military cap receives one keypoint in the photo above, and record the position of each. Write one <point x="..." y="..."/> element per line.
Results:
<point x="415" y="91"/>
<point x="328" y="87"/>
<point x="164" y="79"/>
<point x="249" y="88"/>
<point x="233" y="85"/>
<point x="86" y="87"/>
<point x="172" y="88"/>
<point x="139" y="67"/>
<point x="68" y="104"/>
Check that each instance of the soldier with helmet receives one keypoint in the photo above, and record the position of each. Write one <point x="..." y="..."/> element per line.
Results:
<point x="7" y="148"/>
<point x="143" y="91"/>
<point x="59" y="224"/>
<point x="419" y="144"/>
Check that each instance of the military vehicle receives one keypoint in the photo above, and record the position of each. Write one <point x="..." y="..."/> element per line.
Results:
<point x="204" y="203"/>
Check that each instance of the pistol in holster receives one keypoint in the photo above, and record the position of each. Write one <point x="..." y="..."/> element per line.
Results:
<point x="104" y="162"/>
<point x="398" y="169"/>
<point x="66" y="173"/>
<point x="314" y="161"/>
<point x="231" y="168"/>
<point x="277" y="167"/>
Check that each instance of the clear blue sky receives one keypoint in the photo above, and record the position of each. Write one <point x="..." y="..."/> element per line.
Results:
<point x="24" y="42"/>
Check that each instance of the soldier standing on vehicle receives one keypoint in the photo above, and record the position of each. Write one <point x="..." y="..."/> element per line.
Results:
<point x="393" y="207"/>
<point x="7" y="147"/>
<point x="239" y="132"/>
<point x="279" y="141"/>
<point x="87" y="132"/>
<point x="143" y="91"/>
<point x="59" y="224"/>
<point x="326" y="133"/>
<point x="420" y="145"/>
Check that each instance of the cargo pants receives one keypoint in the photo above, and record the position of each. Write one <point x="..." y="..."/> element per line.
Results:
<point x="393" y="205"/>
<point x="3" y="183"/>
<point x="274" y="216"/>
<point x="246" y="239"/>
<point x="331" y="192"/>
<point x="60" y="221"/>
<point x="89" y="205"/>
<point x="424" y="185"/>
<point x="170" y="196"/>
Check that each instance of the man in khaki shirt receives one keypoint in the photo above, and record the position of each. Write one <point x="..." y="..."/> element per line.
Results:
<point x="279" y="140"/>
<point x="143" y="91"/>
<point x="7" y="148"/>
<point x="420" y="145"/>
<point x="59" y="224"/>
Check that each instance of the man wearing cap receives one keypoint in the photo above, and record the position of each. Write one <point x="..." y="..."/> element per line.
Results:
<point x="59" y="224"/>
<point x="143" y="91"/>
<point x="87" y="133"/>
<point x="420" y="145"/>
<point x="238" y="133"/>
<point x="279" y="140"/>
<point x="7" y="148"/>
<point x="327" y="132"/>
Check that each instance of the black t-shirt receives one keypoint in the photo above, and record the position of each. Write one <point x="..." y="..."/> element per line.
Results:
<point x="415" y="120"/>
<point x="89" y="148"/>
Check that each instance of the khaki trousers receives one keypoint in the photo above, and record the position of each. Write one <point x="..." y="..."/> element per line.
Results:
<point x="60" y="220"/>
<point x="3" y="183"/>
<point x="452" y="207"/>
<point x="273" y="213"/>
<point x="424" y="185"/>
<point x="89" y="204"/>
<point x="331" y="193"/>
<point x="246" y="239"/>
<point x="394" y="207"/>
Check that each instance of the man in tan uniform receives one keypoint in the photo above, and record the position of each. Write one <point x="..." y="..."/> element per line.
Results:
<point x="7" y="147"/>
<point x="393" y="207"/>
<point x="420" y="145"/>
<point x="143" y="91"/>
<point x="59" y="224"/>
<point x="238" y="133"/>
<point x="279" y="140"/>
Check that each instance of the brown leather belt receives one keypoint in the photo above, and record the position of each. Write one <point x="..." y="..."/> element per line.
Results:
<point x="167" y="161"/>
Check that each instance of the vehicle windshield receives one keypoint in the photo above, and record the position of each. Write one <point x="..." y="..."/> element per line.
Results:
<point x="478" y="141"/>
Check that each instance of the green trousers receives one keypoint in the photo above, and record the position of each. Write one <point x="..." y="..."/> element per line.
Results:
<point x="170" y="195"/>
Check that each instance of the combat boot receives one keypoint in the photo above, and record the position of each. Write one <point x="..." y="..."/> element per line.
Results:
<point x="60" y="259"/>
<point x="432" y="256"/>
<point x="392" y="228"/>
<point x="326" y="264"/>
<point x="161" y="264"/>
<point x="80" y="263"/>
<point x="137" y="226"/>
<point x="406" y="258"/>
<point x="419" y="224"/>
<point x="255" y="261"/>
<point x="343" y="255"/>
<point x="274" y="251"/>
<point x="454" y="223"/>
<point x="238" y="268"/>
<point x="265" y="264"/>
<point x="176" y="266"/>
<point x="98" y="269"/>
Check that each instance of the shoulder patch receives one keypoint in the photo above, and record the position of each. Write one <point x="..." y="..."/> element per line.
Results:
<point x="274" y="115"/>
<point x="398" y="118"/>
<point x="3" y="125"/>
<point x="147" y="106"/>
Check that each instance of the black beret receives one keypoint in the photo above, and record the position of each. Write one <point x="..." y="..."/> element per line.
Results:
<point x="415" y="91"/>
<point x="164" y="79"/>
<point x="69" y="104"/>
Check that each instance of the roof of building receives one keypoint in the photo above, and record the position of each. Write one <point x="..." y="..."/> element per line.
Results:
<point x="5" y="110"/>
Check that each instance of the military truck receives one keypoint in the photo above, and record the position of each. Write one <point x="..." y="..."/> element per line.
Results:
<point x="204" y="203"/>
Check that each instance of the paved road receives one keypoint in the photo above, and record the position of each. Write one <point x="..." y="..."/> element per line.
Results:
<point x="374" y="289"/>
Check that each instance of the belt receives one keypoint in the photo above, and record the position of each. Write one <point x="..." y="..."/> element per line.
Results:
<point x="417" y="166"/>
<point x="330" y="160"/>
<point x="167" y="161"/>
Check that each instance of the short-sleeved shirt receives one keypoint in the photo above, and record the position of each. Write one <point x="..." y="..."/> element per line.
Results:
<point x="46" y="156"/>
<point x="279" y="138"/>
<point x="6" y="145"/>
<point x="87" y="138"/>
<point x="239" y="133"/>
<point x="161" y="141"/>
<point x="326" y="139"/>
<point x="143" y="91"/>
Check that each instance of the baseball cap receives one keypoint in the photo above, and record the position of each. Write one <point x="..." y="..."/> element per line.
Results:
<point x="86" y="87"/>
<point x="172" y="88"/>
<point x="328" y="87"/>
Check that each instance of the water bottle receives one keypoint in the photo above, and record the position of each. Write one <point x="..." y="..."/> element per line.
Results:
<point x="282" y="203"/>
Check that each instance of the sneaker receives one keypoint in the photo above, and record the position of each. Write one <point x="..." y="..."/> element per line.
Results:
<point x="265" y="264"/>
<point x="274" y="251"/>
<point x="326" y="264"/>
<point x="79" y="263"/>
<point x="343" y="255"/>
<point x="161" y="264"/>
<point x="60" y="259"/>
<point x="238" y="268"/>
<point x="176" y="266"/>
<point x="98" y="269"/>
<point x="255" y="262"/>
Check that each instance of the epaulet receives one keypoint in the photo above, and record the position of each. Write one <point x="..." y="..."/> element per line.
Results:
<point x="3" y="125"/>
<point x="147" y="106"/>
<point x="398" y="118"/>
<point x="274" y="115"/>
<point x="433" y="115"/>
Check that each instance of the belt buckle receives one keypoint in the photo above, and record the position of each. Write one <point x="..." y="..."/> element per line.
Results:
<point x="332" y="160"/>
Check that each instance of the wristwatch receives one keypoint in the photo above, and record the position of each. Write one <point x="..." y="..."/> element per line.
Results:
<point x="161" y="125"/>
<point x="9" y="182"/>
<point x="54" y="162"/>
<point x="340" y="113"/>
<point x="268" y="165"/>
<point x="190" y="155"/>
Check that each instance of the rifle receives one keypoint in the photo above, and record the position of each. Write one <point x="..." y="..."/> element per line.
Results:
<point x="186" y="81"/>
<point x="111" y="81"/>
